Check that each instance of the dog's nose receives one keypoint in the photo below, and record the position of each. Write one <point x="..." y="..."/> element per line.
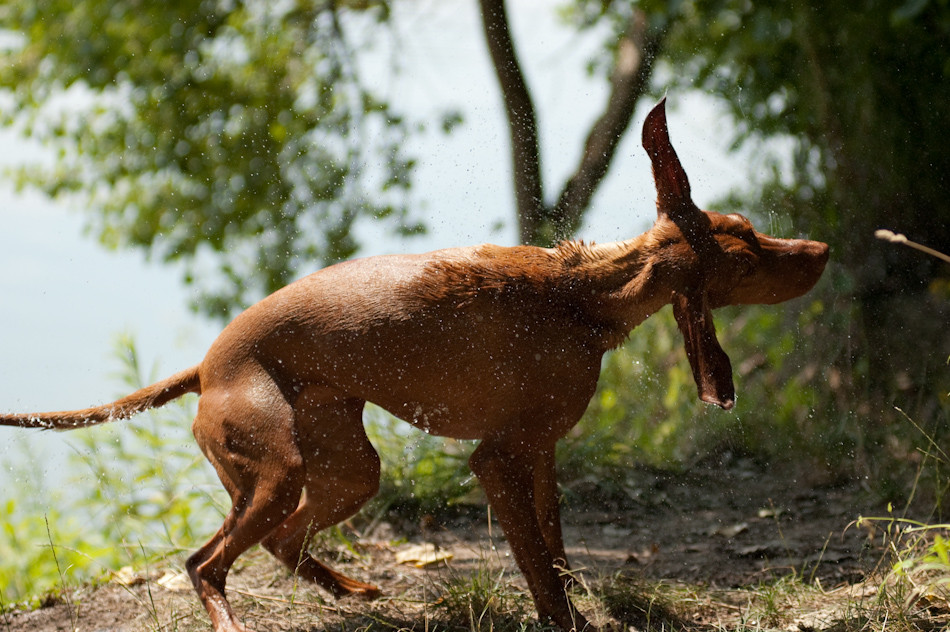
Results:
<point x="819" y="250"/>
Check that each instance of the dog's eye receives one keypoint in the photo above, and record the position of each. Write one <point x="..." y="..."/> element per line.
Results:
<point x="745" y="265"/>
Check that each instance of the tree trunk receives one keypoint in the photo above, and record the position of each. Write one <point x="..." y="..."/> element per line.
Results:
<point x="538" y="222"/>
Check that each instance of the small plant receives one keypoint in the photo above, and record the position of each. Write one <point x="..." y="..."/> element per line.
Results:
<point x="421" y="474"/>
<point x="484" y="600"/>
<point x="62" y="577"/>
<point x="916" y="584"/>
<point x="924" y="563"/>
<point x="638" y="604"/>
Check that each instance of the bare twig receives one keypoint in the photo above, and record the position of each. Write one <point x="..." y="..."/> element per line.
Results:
<point x="898" y="238"/>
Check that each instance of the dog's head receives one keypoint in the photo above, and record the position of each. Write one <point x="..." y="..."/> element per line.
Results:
<point x="715" y="260"/>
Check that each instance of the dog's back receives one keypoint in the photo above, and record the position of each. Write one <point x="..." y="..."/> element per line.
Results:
<point x="455" y="341"/>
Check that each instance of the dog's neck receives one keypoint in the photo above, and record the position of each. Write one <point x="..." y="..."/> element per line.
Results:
<point x="620" y="284"/>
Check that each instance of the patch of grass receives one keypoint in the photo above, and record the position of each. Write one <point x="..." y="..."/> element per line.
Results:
<point x="421" y="474"/>
<point x="914" y="586"/>
<point x="484" y="599"/>
<point x="776" y="603"/>
<point x="643" y="605"/>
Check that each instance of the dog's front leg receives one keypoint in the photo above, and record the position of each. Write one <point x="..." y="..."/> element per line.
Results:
<point x="506" y="468"/>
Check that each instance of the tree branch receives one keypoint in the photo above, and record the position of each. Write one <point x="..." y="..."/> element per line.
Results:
<point x="633" y="67"/>
<point x="522" y="121"/>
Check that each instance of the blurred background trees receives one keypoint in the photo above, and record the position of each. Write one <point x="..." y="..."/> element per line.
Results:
<point x="859" y="89"/>
<point x="242" y="137"/>
<point x="235" y="136"/>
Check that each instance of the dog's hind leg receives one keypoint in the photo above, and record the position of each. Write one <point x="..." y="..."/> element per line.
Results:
<point x="249" y="439"/>
<point x="342" y="473"/>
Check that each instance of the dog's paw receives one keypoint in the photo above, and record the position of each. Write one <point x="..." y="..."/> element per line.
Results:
<point x="357" y="590"/>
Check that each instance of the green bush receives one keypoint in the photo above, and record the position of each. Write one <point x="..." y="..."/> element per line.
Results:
<point x="142" y="484"/>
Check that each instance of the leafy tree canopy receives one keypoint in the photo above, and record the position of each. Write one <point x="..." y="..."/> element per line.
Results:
<point x="858" y="88"/>
<point x="238" y="133"/>
<point x="861" y="90"/>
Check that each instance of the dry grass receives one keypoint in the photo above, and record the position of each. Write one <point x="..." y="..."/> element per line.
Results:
<point x="480" y="590"/>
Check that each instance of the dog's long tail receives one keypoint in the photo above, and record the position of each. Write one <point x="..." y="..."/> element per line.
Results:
<point x="153" y="396"/>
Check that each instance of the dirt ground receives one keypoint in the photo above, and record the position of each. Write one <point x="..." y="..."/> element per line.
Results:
<point x="718" y="527"/>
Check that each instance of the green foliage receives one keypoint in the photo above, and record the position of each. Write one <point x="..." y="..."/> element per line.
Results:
<point x="137" y="491"/>
<point x="420" y="473"/>
<point x="645" y="410"/>
<point x="151" y="486"/>
<point x="918" y="577"/>
<point x="30" y="568"/>
<point x="925" y="559"/>
<point x="241" y="130"/>
<point x="484" y="599"/>
<point x="854" y="91"/>
<point x="794" y="403"/>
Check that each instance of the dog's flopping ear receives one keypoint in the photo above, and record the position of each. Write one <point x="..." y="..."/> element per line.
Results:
<point x="712" y="370"/>
<point x="672" y="186"/>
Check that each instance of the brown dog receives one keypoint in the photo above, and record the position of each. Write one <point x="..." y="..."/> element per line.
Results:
<point x="498" y="344"/>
